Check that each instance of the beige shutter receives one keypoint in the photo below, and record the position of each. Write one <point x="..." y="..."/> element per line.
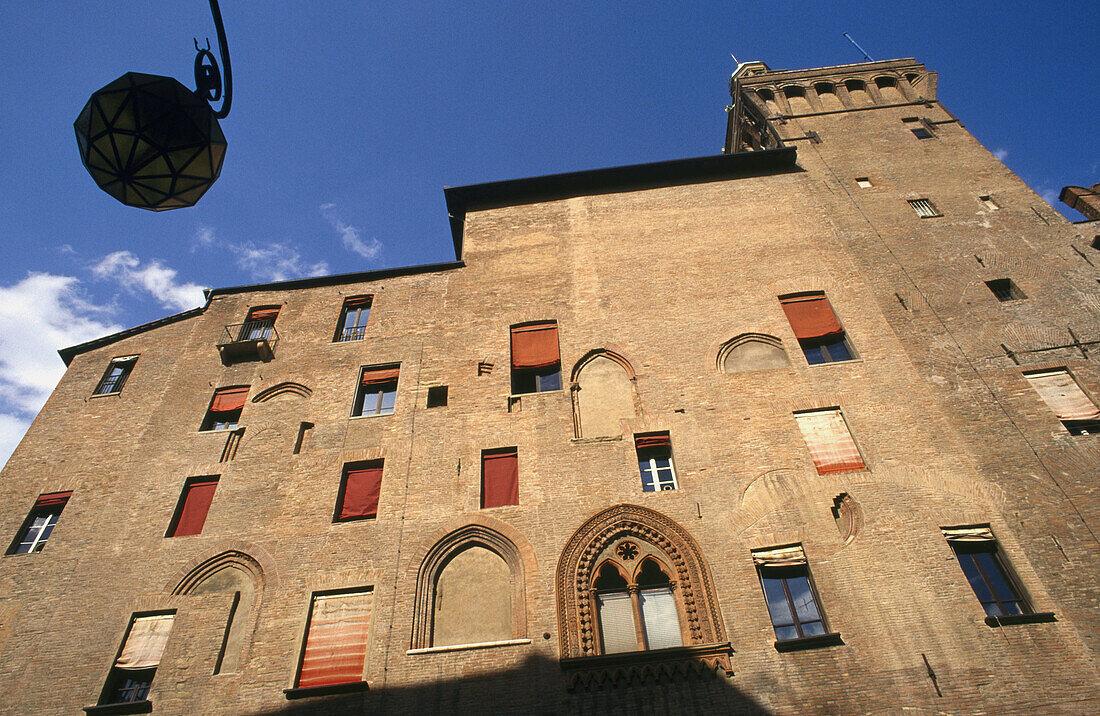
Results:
<point x="1060" y="391"/>
<point x="791" y="556"/>
<point x="831" y="445"/>
<point x="981" y="533"/>
<point x="145" y="642"/>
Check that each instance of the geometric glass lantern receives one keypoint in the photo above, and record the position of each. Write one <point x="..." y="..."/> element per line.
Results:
<point x="150" y="142"/>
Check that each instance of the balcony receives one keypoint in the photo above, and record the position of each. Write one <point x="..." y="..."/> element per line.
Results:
<point x="251" y="340"/>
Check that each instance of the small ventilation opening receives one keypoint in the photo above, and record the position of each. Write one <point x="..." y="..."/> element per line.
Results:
<point x="864" y="182"/>
<point x="987" y="202"/>
<point x="1005" y="290"/>
<point x="437" y="396"/>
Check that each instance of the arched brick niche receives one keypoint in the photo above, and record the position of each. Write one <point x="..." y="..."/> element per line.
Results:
<point x="455" y="562"/>
<point x="752" y="351"/>
<point x="286" y="388"/>
<point x="603" y="390"/>
<point x="608" y="538"/>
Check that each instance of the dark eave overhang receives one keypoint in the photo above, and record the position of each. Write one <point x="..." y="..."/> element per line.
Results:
<point x="67" y="354"/>
<point x="695" y="170"/>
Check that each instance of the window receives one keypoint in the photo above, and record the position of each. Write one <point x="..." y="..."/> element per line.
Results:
<point x="923" y="208"/>
<point x="118" y="370"/>
<point x="259" y="324"/>
<point x="437" y="396"/>
<point x="789" y="592"/>
<point x="649" y="597"/>
<point x="225" y="408"/>
<point x="655" y="462"/>
<point x="40" y="522"/>
<point x="1005" y="290"/>
<point x="194" y="503"/>
<point x="359" y="490"/>
<point x="1070" y="404"/>
<point x="536" y="361"/>
<point x="980" y="559"/>
<point x="133" y="671"/>
<point x="377" y="392"/>
<point x="829" y="440"/>
<point x="863" y="182"/>
<point x="335" y="650"/>
<point x="499" y="477"/>
<point x="922" y="133"/>
<point x="353" y="319"/>
<point x="816" y="327"/>
<point x="987" y="202"/>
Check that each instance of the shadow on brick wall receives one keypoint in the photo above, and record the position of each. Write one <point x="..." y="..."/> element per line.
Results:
<point x="536" y="687"/>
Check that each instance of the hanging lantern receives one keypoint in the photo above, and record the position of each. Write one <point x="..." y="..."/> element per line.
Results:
<point x="150" y="142"/>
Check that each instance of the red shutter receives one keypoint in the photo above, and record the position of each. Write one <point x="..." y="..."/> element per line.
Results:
<point x="359" y="301"/>
<point x="377" y="376"/>
<point x="361" y="490"/>
<point x="226" y="400"/>
<point x="263" y="314"/>
<point x="535" y="346"/>
<point x="642" y="442"/>
<point x="499" y="479"/>
<point x="53" y="498"/>
<point x="831" y="445"/>
<point x="196" y="503"/>
<point x="811" y="317"/>
<point x="336" y="645"/>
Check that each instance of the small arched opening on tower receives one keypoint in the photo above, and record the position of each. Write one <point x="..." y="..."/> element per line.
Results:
<point x="857" y="92"/>
<point x="888" y="89"/>
<point x="796" y="98"/>
<point x="826" y="93"/>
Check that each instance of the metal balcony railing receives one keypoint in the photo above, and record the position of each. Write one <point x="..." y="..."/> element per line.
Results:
<point x="251" y="340"/>
<point x="352" y="333"/>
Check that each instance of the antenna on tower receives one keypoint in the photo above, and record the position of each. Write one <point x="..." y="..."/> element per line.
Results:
<point x="734" y="59"/>
<point x="865" y="55"/>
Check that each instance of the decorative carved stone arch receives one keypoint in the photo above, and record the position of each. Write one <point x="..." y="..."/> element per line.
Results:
<point x="751" y="351"/>
<point x="285" y="388"/>
<point x="695" y="590"/>
<point x="440" y="555"/>
<point x="611" y="398"/>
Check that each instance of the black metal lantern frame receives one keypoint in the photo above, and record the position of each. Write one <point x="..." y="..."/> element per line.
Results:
<point x="152" y="143"/>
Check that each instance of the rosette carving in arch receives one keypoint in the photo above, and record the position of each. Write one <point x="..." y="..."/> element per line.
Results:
<point x="576" y="606"/>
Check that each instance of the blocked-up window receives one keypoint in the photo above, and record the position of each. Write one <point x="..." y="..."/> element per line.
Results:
<point x="1070" y="404"/>
<point x="377" y="392"/>
<point x="536" y="359"/>
<point x="793" y="604"/>
<point x="993" y="583"/>
<point x="353" y="319"/>
<point x="829" y="440"/>
<point x="335" y="649"/>
<point x="499" y="477"/>
<point x="133" y="670"/>
<point x="39" y="524"/>
<point x="194" y="504"/>
<point x="115" y="376"/>
<point x="817" y="328"/>
<point x="225" y="408"/>
<point x="360" y="489"/>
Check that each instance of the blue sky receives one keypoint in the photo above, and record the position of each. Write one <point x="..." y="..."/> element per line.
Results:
<point x="349" y="119"/>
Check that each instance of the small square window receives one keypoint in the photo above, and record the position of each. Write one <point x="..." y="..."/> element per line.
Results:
<point x="118" y="370"/>
<point x="377" y="393"/>
<point x="923" y="208"/>
<point x="536" y="361"/>
<point x="993" y="583"/>
<point x="225" y="409"/>
<point x="353" y="319"/>
<point x="655" y="462"/>
<point x="1096" y="242"/>
<point x="39" y="524"/>
<point x="1005" y="290"/>
<point x="863" y="182"/>
<point x="193" y="506"/>
<point x="987" y="202"/>
<point x="922" y="133"/>
<point x="437" y="396"/>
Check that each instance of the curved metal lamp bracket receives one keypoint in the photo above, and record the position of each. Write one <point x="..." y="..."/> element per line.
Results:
<point x="208" y="78"/>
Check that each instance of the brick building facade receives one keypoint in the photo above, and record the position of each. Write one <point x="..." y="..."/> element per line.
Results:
<point x="804" y="427"/>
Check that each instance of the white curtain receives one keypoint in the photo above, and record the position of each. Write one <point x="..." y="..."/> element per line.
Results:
<point x="145" y="642"/>
<point x="616" y="622"/>
<point x="660" y="619"/>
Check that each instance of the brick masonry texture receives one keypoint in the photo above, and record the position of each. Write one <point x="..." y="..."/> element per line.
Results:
<point x="950" y="431"/>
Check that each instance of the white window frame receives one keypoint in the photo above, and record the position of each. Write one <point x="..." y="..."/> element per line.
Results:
<point x="655" y="471"/>
<point x="52" y="515"/>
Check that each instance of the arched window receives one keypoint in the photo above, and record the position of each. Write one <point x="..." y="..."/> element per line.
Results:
<point x="888" y="89"/>
<point x="796" y="98"/>
<point x="826" y="92"/>
<point x="630" y="579"/>
<point x="857" y="91"/>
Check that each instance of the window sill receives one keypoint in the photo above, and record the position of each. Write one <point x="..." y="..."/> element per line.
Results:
<point x="833" y="362"/>
<point x="127" y="707"/>
<point x="1034" y="618"/>
<point x="311" y="691"/>
<point x="106" y="395"/>
<point x="219" y="431"/>
<point x="600" y="439"/>
<point x="810" y="642"/>
<point x="513" y="396"/>
<point x="372" y="415"/>
<point x="466" y="647"/>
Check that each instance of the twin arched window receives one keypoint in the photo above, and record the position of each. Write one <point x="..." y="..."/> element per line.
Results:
<point x="639" y="611"/>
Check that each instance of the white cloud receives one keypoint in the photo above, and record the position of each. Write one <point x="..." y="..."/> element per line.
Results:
<point x="275" y="262"/>
<point x="39" y="315"/>
<point x="1001" y="153"/>
<point x="157" y="279"/>
<point x="204" y="236"/>
<point x="349" y="235"/>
